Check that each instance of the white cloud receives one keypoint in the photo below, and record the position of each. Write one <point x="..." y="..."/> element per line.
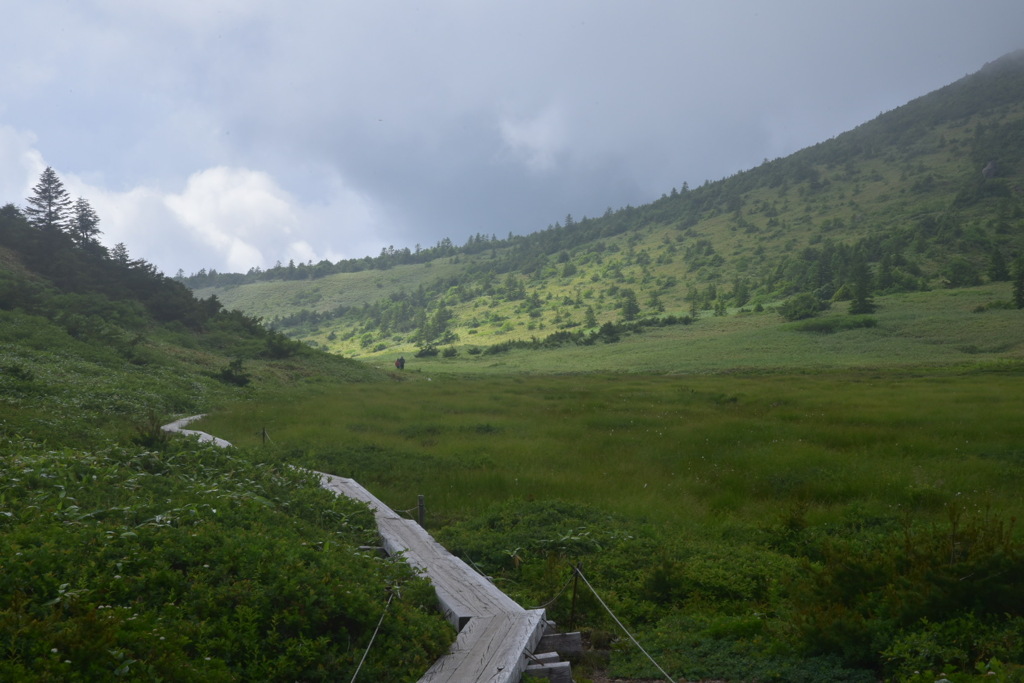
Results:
<point x="246" y="219"/>
<point x="22" y="164"/>
<point x="224" y="205"/>
<point x="232" y="219"/>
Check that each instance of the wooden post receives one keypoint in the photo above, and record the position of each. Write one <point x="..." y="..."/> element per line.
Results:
<point x="421" y="511"/>
<point x="263" y="433"/>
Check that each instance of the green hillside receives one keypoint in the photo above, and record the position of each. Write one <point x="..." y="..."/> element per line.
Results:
<point x="774" y="418"/>
<point x="926" y="197"/>
<point x="128" y="555"/>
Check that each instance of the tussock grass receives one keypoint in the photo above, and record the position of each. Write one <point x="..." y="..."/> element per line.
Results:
<point x="686" y="451"/>
<point x="728" y="514"/>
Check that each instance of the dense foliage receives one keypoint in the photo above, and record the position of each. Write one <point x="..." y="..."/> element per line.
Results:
<point x="127" y="555"/>
<point x="191" y="564"/>
<point x="96" y="295"/>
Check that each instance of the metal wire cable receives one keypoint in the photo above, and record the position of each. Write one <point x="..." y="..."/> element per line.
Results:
<point x="557" y="595"/>
<point x="391" y="597"/>
<point x="624" y="629"/>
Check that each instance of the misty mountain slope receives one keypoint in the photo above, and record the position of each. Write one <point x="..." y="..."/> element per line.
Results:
<point x="927" y="196"/>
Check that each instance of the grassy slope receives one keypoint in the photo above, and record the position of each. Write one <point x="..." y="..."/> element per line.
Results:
<point x="270" y="299"/>
<point x="66" y="390"/>
<point x="753" y="233"/>
<point x="920" y="328"/>
<point x="127" y="554"/>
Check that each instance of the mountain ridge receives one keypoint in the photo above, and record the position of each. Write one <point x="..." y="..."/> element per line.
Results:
<point x="927" y="195"/>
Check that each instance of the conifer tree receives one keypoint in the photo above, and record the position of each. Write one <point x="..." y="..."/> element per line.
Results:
<point x="84" y="220"/>
<point x="120" y="254"/>
<point x="630" y="306"/>
<point x="1018" y="281"/>
<point x="997" y="269"/>
<point x="862" y="301"/>
<point x="49" y="206"/>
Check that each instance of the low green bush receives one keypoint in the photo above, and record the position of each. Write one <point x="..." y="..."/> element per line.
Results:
<point x="195" y="564"/>
<point x="872" y="590"/>
<point x="834" y="324"/>
<point x="802" y="306"/>
<point x="964" y="644"/>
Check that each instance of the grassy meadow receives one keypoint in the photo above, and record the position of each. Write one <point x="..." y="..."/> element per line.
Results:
<point x="761" y="500"/>
<point x="727" y="514"/>
<point x="701" y="453"/>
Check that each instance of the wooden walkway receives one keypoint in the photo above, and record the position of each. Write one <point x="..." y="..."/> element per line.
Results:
<point x="497" y="637"/>
<point x="178" y="427"/>
<point x="498" y="641"/>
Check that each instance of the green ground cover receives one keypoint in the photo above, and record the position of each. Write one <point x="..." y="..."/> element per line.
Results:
<point x="942" y="327"/>
<point x="191" y="564"/>
<point x="784" y="525"/>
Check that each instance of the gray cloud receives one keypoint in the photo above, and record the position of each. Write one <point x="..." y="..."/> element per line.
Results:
<point x="209" y="132"/>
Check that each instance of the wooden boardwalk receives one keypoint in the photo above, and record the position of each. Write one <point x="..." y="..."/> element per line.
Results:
<point x="496" y="637"/>
<point x="178" y="427"/>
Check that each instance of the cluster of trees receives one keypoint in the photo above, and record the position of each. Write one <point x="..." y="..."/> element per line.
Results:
<point x="50" y="209"/>
<point x="388" y="258"/>
<point x="104" y="294"/>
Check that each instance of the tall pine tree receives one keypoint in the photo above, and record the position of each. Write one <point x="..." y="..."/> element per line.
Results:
<point x="84" y="221"/>
<point x="1018" y="281"/>
<point x="49" y="207"/>
<point x="862" y="301"/>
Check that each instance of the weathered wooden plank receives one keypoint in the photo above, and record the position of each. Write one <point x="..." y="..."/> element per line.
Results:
<point x="489" y="650"/>
<point x="462" y="591"/>
<point x="564" y="644"/>
<point x="352" y="489"/>
<point x="543" y="657"/>
<point x="178" y="427"/>
<point x="495" y="633"/>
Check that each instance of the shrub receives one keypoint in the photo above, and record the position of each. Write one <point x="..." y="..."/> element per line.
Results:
<point x="802" y="306"/>
<point x="233" y="373"/>
<point x="962" y="643"/>
<point x="868" y="591"/>
<point x="195" y="565"/>
<point x="18" y="373"/>
<point x="835" y="324"/>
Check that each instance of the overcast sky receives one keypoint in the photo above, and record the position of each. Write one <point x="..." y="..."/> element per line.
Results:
<point x="229" y="134"/>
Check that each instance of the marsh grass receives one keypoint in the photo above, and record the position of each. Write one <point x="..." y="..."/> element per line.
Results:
<point x="692" y="452"/>
<point x="783" y="522"/>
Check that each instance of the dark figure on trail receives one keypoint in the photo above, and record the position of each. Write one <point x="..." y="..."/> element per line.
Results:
<point x="400" y="363"/>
